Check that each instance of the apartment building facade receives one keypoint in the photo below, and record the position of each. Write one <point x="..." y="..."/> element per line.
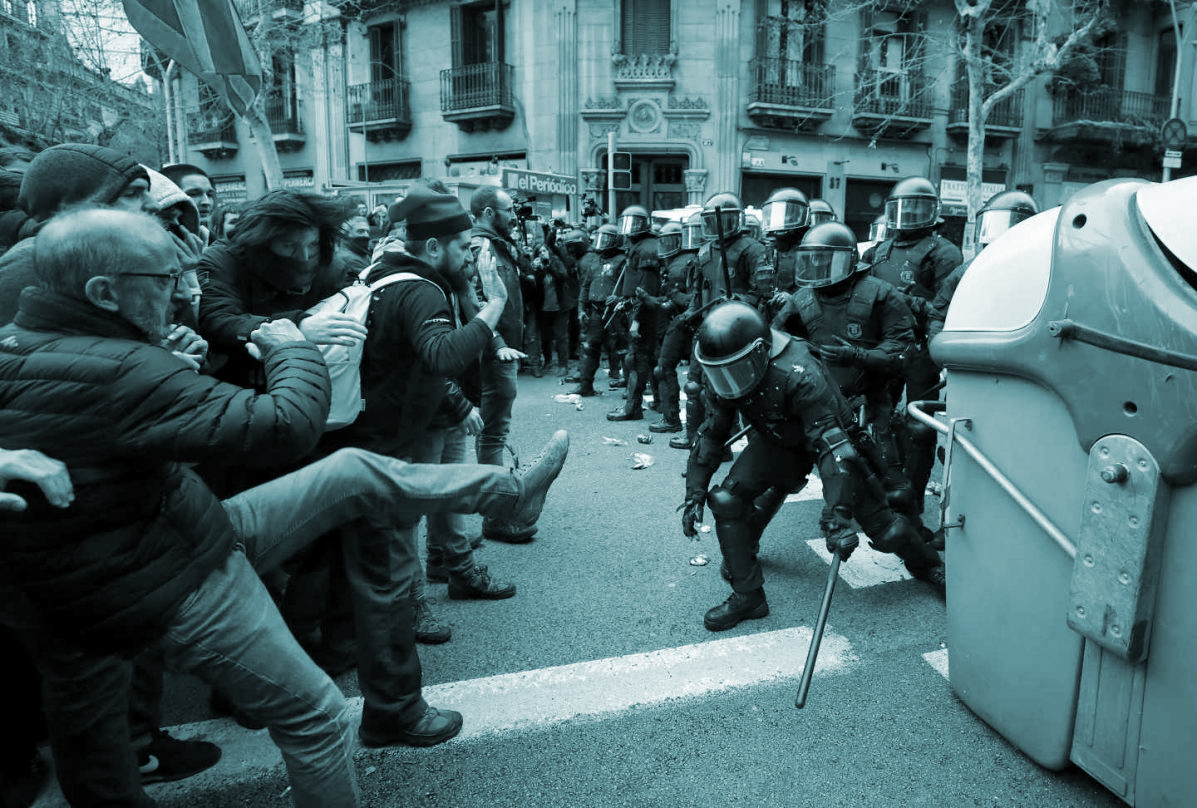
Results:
<point x="839" y="98"/>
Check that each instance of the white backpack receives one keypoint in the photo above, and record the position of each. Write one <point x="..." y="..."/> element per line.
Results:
<point x="345" y="362"/>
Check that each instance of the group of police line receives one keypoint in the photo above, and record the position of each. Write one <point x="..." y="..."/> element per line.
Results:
<point x="802" y="341"/>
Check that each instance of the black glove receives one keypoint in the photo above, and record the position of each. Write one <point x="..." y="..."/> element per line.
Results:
<point x="840" y="354"/>
<point x="692" y="514"/>
<point x="842" y="542"/>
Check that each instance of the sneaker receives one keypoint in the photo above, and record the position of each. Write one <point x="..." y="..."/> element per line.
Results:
<point x="508" y="532"/>
<point x="665" y="425"/>
<point x="435" y="726"/>
<point x="538" y="475"/>
<point x="736" y="609"/>
<point x="166" y="759"/>
<point x="477" y="584"/>
<point x="429" y="628"/>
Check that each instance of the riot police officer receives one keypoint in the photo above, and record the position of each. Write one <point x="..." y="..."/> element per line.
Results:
<point x="681" y="271"/>
<point x="787" y="216"/>
<point x="916" y="260"/>
<point x="1001" y="212"/>
<point x="637" y="289"/>
<point x="859" y="326"/>
<point x="822" y="211"/>
<point x="738" y="258"/>
<point x="598" y="284"/>
<point x="799" y="419"/>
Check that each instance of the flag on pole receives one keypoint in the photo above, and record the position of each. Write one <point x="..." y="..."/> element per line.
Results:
<point x="205" y="37"/>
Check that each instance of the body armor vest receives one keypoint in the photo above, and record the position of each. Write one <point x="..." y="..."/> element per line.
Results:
<point x="902" y="266"/>
<point x="795" y="383"/>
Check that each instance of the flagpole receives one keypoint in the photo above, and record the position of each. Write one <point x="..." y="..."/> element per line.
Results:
<point x="170" y="128"/>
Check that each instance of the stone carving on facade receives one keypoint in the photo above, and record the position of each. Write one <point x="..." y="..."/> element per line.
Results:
<point x="696" y="180"/>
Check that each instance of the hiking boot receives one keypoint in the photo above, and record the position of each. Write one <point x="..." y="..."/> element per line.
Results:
<point x="477" y="584"/>
<point x="166" y="759"/>
<point x="435" y="726"/>
<point x="537" y="476"/>
<point x="429" y="628"/>
<point x="735" y="610"/>
<point x="508" y="532"/>
<point x="665" y="425"/>
<point x="682" y="442"/>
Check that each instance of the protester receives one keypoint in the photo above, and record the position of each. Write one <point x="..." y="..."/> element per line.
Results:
<point x="196" y="183"/>
<point x="165" y="561"/>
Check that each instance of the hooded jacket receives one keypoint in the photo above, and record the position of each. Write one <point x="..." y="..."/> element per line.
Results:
<point x="81" y="385"/>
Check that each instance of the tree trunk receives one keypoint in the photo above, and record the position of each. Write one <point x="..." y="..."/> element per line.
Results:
<point x="272" y="170"/>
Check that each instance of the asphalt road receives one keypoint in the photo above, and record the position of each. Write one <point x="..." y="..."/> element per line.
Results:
<point x="597" y="685"/>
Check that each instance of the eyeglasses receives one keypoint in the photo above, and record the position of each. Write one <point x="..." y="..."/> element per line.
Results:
<point x="174" y="277"/>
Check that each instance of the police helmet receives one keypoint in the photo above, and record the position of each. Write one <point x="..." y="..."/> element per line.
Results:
<point x="669" y="240"/>
<point x="1002" y="212"/>
<point x="634" y="221"/>
<point x="607" y="238"/>
<point x="877" y="229"/>
<point x="912" y="205"/>
<point x="693" y="236"/>
<point x="722" y="210"/>
<point x="733" y="347"/>
<point x="786" y="209"/>
<point x="821" y="211"/>
<point x="826" y="256"/>
<point x="575" y="241"/>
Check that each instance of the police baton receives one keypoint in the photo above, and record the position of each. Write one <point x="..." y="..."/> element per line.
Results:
<point x="817" y="638"/>
<point x="723" y="250"/>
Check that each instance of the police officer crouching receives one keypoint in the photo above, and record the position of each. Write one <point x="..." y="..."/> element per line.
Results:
<point x="799" y="419"/>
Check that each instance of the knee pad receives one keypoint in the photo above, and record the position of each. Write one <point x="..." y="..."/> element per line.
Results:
<point x="899" y="535"/>
<point x="725" y="504"/>
<point x="692" y="389"/>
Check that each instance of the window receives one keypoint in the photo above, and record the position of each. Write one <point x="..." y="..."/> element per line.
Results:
<point x="1165" y="62"/>
<point x="892" y="51"/>
<point x="791" y="30"/>
<point x="477" y="33"/>
<point x="385" y="53"/>
<point x="645" y="27"/>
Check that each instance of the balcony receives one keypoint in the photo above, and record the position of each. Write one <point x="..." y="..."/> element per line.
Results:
<point x="478" y="97"/>
<point x="644" y="71"/>
<point x="1004" y="121"/>
<point x="381" y="109"/>
<point x="1107" y="116"/>
<point x="282" y="114"/>
<point x="213" y="133"/>
<point x="891" y="104"/>
<point x="789" y="94"/>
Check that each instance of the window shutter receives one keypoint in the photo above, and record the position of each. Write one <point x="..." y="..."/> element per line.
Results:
<point x="455" y="35"/>
<point x="645" y="26"/>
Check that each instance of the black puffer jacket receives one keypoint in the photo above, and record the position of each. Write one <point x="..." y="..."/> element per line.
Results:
<point x="80" y="385"/>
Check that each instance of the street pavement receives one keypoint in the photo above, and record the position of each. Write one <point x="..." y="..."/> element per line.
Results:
<point x="597" y="685"/>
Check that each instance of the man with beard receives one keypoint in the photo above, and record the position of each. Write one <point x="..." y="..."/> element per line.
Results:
<point x="196" y="183"/>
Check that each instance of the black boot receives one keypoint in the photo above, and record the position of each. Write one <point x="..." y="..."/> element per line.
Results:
<point x="736" y="609"/>
<point x="633" y="408"/>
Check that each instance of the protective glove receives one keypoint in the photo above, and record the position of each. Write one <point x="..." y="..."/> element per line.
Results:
<point x="692" y="514"/>
<point x="842" y="542"/>
<point x="841" y="354"/>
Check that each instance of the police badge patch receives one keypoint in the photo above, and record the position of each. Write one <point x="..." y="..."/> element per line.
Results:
<point x="854" y="330"/>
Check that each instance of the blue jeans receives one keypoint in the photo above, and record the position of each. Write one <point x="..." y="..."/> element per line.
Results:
<point x="498" y="396"/>
<point x="448" y="533"/>
<point x="229" y="633"/>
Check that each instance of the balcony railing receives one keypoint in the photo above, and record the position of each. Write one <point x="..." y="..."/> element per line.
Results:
<point x="478" y="96"/>
<point x="788" y="94"/>
<point x="282" y="113"/>
<point x="378" y="101"/>
<point x="1005" y="113"/>
<point x="212" y="132"/>
<point x="894" y="104"/>
<point x="1110" y="106"/>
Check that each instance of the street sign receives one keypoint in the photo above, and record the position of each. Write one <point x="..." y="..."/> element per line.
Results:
<point x="1174" y="133"/>
<point x="1172" y="159"/>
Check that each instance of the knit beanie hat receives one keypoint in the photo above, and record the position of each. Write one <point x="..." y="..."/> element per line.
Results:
<point x="430" y="215"/>
<point x="75" y="172"/>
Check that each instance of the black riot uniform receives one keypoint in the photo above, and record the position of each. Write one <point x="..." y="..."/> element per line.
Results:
<point x="861" y="329"/>
<point x="597" y="285"/>
<point x="916" y="260"/>
<point x="635" y="292"/>
<point x="799" y="419"/>
<point x="786" y="215"/>
<point x="681" y="277"/>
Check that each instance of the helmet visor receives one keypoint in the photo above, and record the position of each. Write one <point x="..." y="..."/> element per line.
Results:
<point x="784" y="215"/>
<point x="911" y="213"/>
<point x="992" y="223"/>
<point x="669" y="244"/>
<point x="877" y="231"/>
<point x="692" y="236"/>
<point x="730" y="221"/>
<point x="823" y="266"/>
<point x="737" y="375"/>
<point x="604" y="241"/>
<point x="632" y="225"/>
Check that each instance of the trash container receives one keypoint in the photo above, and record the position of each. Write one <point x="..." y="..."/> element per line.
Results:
<point x="1071" y="357"/>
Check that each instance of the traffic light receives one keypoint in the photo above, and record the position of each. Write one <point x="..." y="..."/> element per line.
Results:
<point x="621" y="174"/>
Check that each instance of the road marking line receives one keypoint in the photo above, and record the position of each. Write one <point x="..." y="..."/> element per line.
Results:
<point x="812" y="490"/>
<point x="866" y="567"/>
<point x="939" y="661"/>
<point x="604" y="686"/>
